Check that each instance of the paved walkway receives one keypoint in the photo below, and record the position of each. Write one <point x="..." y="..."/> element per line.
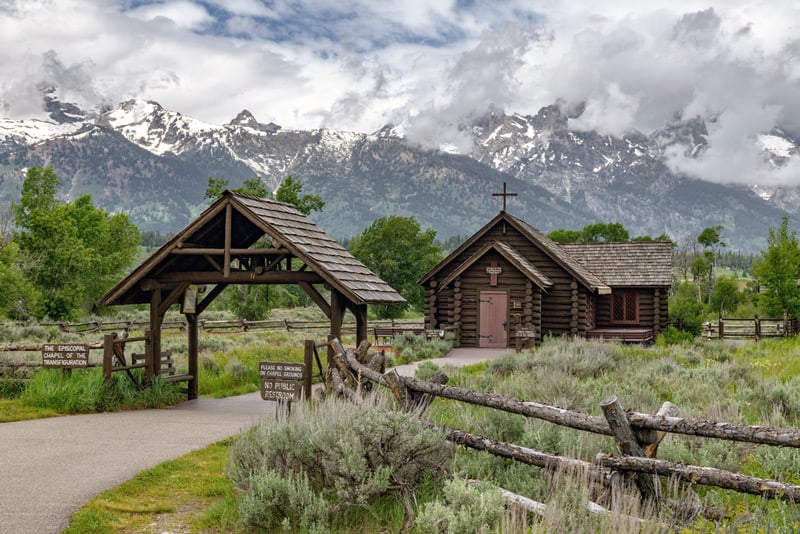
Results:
<point x="50" y="467"/>
<point x="458" y="358"/>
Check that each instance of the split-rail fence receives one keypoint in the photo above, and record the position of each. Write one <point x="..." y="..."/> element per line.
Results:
<point x="223" y="325"/>
<point x="750" y="328"/>
<point x="20" y="370"/>
<point x="637" y="434"/>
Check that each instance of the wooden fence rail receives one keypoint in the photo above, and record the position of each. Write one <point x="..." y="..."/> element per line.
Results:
<point x="750" y="328"/>
<point x="222" y="326"/>
<point x="637" y="435"/>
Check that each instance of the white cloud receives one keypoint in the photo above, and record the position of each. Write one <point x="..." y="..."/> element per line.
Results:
<point x="435" y="64"/>
<point x="185" y="15"/>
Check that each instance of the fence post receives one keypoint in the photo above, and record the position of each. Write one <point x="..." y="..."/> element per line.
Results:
<point x="757" y="328"/>
<point x="721" y="328"/>
<point x="150" y="358"/>
<point x="108" y="355"/>
<point x="308" y="358"/>
<point x="647" y="484"/>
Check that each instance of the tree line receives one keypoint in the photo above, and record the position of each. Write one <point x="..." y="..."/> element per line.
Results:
<point x="58" y="258"/>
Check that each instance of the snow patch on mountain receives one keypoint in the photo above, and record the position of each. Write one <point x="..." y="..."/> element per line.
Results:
<point x="155" y="129"/>
<point x="777" y="145"/>
<point x="32" y="131"/>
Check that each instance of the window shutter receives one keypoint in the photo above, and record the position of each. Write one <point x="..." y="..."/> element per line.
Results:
<point x="625" y="307"/>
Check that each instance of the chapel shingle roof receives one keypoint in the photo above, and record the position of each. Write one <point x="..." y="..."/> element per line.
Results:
<point x="633" y="264"/>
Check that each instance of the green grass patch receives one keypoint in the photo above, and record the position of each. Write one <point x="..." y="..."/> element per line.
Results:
<point x="15" y="410"/>
<point x="753" y="383"/>
<point x="235" y="371"/>
<point x="190" y="492"/>
<point x="84" y="391"/>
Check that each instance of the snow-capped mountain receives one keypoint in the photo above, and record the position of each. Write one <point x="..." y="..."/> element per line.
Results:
<point x="155" y="163"/>
<point x="627" y="179"/>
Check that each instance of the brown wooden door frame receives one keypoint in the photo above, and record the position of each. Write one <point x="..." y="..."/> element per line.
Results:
<point x="492" y="328"/>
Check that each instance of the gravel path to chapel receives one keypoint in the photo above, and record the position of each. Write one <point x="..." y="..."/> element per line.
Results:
<point x="50" y="467"/>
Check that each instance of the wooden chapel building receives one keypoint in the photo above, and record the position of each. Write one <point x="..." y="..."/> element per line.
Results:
<point x="510" y="284"/>
<point x="241" y="239"/>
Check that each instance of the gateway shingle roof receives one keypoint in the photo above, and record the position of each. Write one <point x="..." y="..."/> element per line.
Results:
<point x="250" y="220"/>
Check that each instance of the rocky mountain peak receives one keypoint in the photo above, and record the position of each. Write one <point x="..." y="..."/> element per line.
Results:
<point x="550" y="118"/>
<point x="244" y="118"/>
<point x="565" y="178"/>
<point x="389" y="131"/>
<point x="691" y="134"/>
<point x="247" y="120"/>
<point x="60" y="112"/>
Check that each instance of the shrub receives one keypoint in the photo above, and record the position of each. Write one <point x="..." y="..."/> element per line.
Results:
<point x="10" y="388"/>
<point x="464" y="509"/>
<point x="425" y="370"/>
<point x="411" y="347"/>
<point x="673" y="336"/>
<point x="685" y="309"/>
<point x="282" y="503"/>
<point x="344" y="453"/>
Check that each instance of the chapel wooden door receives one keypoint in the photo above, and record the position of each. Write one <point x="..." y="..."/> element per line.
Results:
<point x="493" y="319"/>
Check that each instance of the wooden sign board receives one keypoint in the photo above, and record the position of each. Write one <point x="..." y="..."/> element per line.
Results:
<point x="281" y="381"/>
<point x="282" y="371"/>
<point x="526" y="333"/>
<point x="65" y="355"/>
<point x="281" y="390"/>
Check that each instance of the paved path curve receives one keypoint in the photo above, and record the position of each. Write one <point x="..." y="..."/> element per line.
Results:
<point x="50" y="467"/>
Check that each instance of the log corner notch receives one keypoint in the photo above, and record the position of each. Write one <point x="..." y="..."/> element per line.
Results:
<point x="358" y="368"/>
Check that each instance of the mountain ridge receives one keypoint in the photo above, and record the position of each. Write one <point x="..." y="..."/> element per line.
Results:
<point x="154" y="164"/>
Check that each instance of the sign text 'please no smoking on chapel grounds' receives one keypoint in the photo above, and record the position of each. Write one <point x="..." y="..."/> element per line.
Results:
<point x="281" y="381"/>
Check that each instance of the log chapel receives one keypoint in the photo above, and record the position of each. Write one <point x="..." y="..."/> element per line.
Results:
<point x="509" y="285"/>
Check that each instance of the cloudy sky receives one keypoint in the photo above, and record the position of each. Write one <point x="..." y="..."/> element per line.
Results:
<point x="430" y="64"/>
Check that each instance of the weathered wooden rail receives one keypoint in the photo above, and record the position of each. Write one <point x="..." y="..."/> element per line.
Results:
<point x="113" y="359"/>
<point x="750" y="328"/>
<point x="637" y="435"/>
<point x="221" y="326"/>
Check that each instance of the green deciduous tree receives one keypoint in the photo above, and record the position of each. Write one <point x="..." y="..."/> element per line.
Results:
<point x="647" y="238"/>
<point x="605" y="232"/>
<point x="254" y="187"/>
<point x="778" y="270"/>
<point x="710" y="237"/>
<point x="19" y="299"/>
<point x="559" y="235"/>
<point x="290" y="192"/>
<point x="725" y="296"/>
<point x="398" y="251"/>
<point x="685" y="309"/>
<point x="592" y="233"/>
<point x="72" y="253"/>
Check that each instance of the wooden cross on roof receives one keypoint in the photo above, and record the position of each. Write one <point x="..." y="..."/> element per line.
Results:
<point x="505" y="194"/>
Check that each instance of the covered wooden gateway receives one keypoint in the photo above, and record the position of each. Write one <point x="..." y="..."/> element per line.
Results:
<point x="510" y="283"/>
<point x="245" y="240"/>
